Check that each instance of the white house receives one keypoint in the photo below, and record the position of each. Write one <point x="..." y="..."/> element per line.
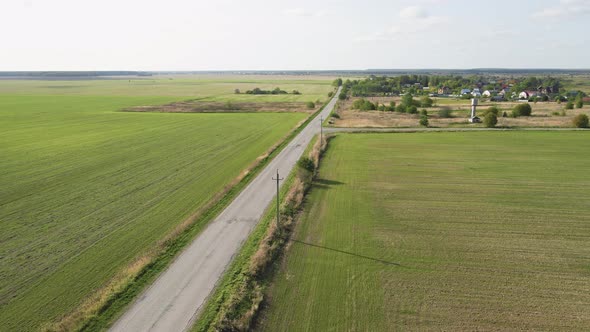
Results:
<point x="465" y="91"/>
<point x="527" y="94"/>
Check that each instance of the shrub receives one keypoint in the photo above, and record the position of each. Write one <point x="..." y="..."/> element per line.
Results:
<point x="522" y="110"/>
<point x="412" y="110"/>
<point x="424" y="121"/>
<point x="424" y="112"/>
<point x="237" y="91"/>
<point x="363" y="105"/>
<point x="330" y="94"/>
<point x="545" y="98"/>
<point x="342" y="96"/>
<point x="490" y="120"/>
<point x="445" y="112"/>
<point x="426" y="102"/>
<point x="381" y="107"/>
<point x="310" y="105"/>
<point x="504" y="114"/>
<point x="306" y="163"/>
<point x="296" y="92"/>
<point x="400" y="108"/>
<point x="581" y="121"/>
<point x="335" y="115"/>
<point x="579" y="103"/>
<point x="569" y="105"/>
<point x="493" y="110"/>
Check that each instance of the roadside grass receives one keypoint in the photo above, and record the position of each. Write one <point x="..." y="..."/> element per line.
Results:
<point x="443" y="231"/>
<point x="84" y="190"/>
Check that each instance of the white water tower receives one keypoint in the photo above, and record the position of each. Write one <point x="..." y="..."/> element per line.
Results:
<point x="473" y="118"/>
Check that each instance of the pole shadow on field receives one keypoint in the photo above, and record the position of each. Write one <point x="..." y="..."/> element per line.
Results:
<point x="348" y="253"/>
<point x="325" y="183"/>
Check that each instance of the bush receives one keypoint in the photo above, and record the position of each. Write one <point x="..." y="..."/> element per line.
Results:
<point x="306" y="163"/>
<point x="412" y="110"/>
<point x="424" y="112"/>
<point x="579" y="103"/>
<point x="330" y="94"/>
<point x="445" y="113"/>
<point x="237" y="91"/>
<point x="310" y="104"/>
<point x="569" y="105"/>
<point x="545" y="98"/>
<point x="296" y="92"/>
<point x="504" y="114"/>
<point x="342" y="96"/>
<point x="363" y="105"/>
<point x="400" y="108"/>
<point x="581" y="121"/>
<point x="426" y="102"/>
<point x="381" y="108"/>
<point x="490" y="120"/>
<point x="493" y="110"/>
<point x="522" y="110"/>
<point x="424" y="121"/>
<point x="335" y="115"/>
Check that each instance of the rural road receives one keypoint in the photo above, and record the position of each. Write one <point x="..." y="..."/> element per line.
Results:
<point x="173" y="301"/>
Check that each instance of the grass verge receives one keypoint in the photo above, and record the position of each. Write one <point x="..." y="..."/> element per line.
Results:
<point x="236" y="301"/>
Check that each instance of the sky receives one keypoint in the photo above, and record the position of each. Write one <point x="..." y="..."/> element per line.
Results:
<point x="292" y="35"/>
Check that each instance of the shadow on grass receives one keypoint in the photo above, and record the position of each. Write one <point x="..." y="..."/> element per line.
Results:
<point x="325" y="183"/>
<point x="348" y="253"/>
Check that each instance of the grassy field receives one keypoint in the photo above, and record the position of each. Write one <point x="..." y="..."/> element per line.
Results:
<point x="84" y="189"/>
<point x="545" y="114"/>
<point x="208" y="88"/>
<point x="441" y="231"/>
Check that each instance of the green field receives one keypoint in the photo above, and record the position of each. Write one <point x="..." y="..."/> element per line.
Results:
<point x="84" y="189"/>
<point x="202" y="88"/>
<point x="441" y="231"/>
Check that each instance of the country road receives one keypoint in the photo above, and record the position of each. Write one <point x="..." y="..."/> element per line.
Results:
<point x="173" y="301"/>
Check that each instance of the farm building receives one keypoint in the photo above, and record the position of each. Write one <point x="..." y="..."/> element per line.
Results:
<point x="445" y="90"/>
<point x="528" y="94"/>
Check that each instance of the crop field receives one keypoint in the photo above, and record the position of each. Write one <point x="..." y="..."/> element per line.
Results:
<point x="206" y="88"/>
<point x="441" y="231"/>
<point x="84" y="189"/>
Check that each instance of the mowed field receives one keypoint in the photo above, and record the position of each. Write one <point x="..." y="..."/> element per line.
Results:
<point x="441" y="231"/>
<point x="84" y="189"/>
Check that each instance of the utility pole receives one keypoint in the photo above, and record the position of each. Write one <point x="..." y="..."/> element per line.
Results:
<point x="278" y="201"/>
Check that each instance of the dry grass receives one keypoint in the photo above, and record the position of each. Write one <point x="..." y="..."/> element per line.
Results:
<point x="195" y="106"/>
<point x="544" y="115"/>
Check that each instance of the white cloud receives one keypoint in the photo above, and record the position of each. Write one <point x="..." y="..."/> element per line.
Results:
<point x="566" y="8"/>
<point x="302" y="12"/>
<point x="413" y="12"/>
<point x="413" y="20"/>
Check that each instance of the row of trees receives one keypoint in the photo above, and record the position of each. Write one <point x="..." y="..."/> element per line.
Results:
<point x="275" y="91"/>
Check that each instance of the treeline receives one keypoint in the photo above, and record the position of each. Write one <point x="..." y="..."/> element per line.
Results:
<point x="407" y="105"/>
<point x="414" y="84"/>
<point x="275" y="91"/>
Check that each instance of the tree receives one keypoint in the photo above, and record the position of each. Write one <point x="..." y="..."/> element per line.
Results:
<point x="424" y="121"/>
<point x="407" y="100"/>
<point x="581" y="121"/>
<point x="337" y="82"/>
<point x="522" y="110"/>
<point x="490" y="120"/>
<point x="330" y="94"/>
<point x="569" y="105"/>
<point x="400" y="108"/>
<point x="424" y="112"/>
<point x="492" y="109"/>
<point x="426" y="102"/>
<point x="412" y="110"/>
<point x="579" y="101"/>
<point x="342" y="96"/>
<point x="310" y="105"/>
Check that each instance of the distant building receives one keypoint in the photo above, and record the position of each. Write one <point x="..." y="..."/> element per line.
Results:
<point x="489" y="93"/>
<point x="497" y="98"/>
<point x="465" y="91"/>
<point x="528" y="94"/>
<point x="445" y="90"/>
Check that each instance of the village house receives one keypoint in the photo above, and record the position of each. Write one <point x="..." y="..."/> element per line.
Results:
<point x="528" y="94"/>
<point x="465" y="91"/>
<point x="445" y="90"/>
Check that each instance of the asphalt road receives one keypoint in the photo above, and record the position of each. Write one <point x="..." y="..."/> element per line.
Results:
<point x="174" y="300"/>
